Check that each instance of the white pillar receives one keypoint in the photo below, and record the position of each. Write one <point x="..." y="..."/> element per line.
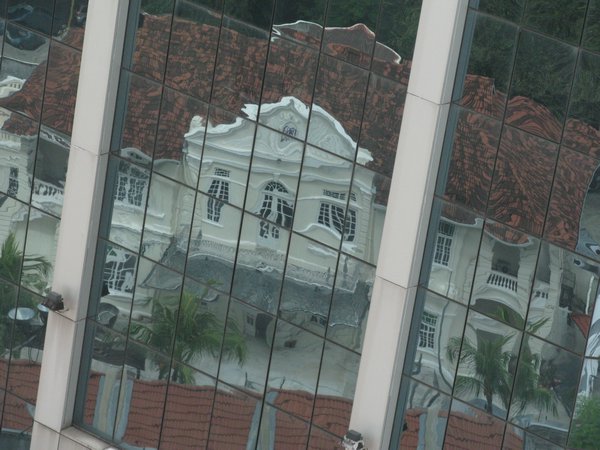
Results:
<point x="411" y="194"/>
<point x="94" y="111"/>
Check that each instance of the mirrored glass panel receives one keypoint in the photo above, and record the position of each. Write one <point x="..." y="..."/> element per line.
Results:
<point x="350" y="302"/>
<point x="563" y="298"/>
<point x="104" y="379"/>
<point x="504" y="275"/>
<point x="17" y="422"/>
<point x="349" y="32"/>
<point x="151" y="38"/>
<point x="281" y="430"/>
<point x="40" y="251"/>
<point x="540" y="85"/>
<point x="335" y="392"/>
<point x="181" y="119"/>
<point x="27" y="343"/>
<point x="582" y="130"/>
<point x="18" y="145"/>
<point x="307" y="287"/>
<point x="113" y="307"/>
<point x="187" y="412"/>
<point x="323" y="203"/>
<point x="249" y="332"/>
<point x="365" y="214"/>
<point x="61" y="89"/>
<point x="508" y="9"/>
<point x="226" y="155"/>
<point x="69" y="25"/>
<point x="167" y="234"/>
<point x="381" y="124"/>
<point x="593" y="344"/>
<point x="193" y="47"/>
<point x="235" y="84"/>
<point x="320" y="440"/>
<point x="260" y="262"/>
<point x="522" y="180"/>
<point x="572" y="221"/>
<point x="468" y="159"/>
<point x="213" y="239"/>
<point x="591" y="32"/>
<point x="294" y="369"/>
<point x="8" y="314"/>
<point x="516" y="439"/>
<point x="288" y="86"/>
<point x="301" y="21"/>
<point x="486" y="358"/>
<point x="585" y="424"/>
<point x="24" y="52"/>
<point x="135" y="140"/>
<point x="451" y="253"/>
<point x="425" y="416"/>
<point x="155" y="307"/>
<point x="395" y="40"/>
<point x="273" y="180"/>
<point x="126" y="195"/>
<point x="12" y="241"/>
<point x="562" y="19"/>
<point x="200" y="336"/>
<point x="472" y="428"/>
<point x="232" y="418"/>
<point x="142" y="395"/>
<point x="545" y="389"/>
<point x="485" y="70"/>
<point x="439" y="321"/>
<point x="337" y="107"/>
<point x="50" y="171"/>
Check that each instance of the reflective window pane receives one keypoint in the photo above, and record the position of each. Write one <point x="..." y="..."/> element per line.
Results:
<point x="522" y="180"/>
<point x="337" y="107"/>
<point x="562" y="19"/>
<point x="281" y="430"/>
<point x="40" y="251"/>
<point x="350" y="302"/>
<point x="289" y="19"/>
<point x="323" y="204"/>
<point x="584" y="428"/>
<point x="583" y="123"/>
<point x="425" y="416"/>
<point x="572" y="223"/>
<point x="439" y="322"/>
<point x="563" y="297"/>
<point x="591" y="32"/>
<point x="260" y="262"/>
<point x="472" y="428"/>
<point x="486" y="364"/>
<point x="213" y="241"/>
<point x="335" y="393"/>
<point x="540" y="85"/>
<point x="309" y="266"/>
<point x="13" y="241"/>
<point x="451" y="253"/>
<point x="483" y="78"/>
<point x="503" y="279"/>
<point x="468" y="160"/>
<point x="508" y="9"/>
<point x="193" y="47"/>
<point x="545" y="382"/>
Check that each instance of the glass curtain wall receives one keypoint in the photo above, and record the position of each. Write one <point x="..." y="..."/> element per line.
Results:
<point x="504" y="342"/>
<point x="39" y="68"/>
<point x="247" y="187"/>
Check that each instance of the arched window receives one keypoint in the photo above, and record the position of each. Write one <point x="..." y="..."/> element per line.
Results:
<point x="277" y="205"/>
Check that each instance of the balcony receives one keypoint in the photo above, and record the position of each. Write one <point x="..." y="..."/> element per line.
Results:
<point x="502" y="281"/>
<point x="44" y="192"/>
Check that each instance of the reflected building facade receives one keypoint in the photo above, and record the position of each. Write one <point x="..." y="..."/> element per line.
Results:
<point x="236" y="257"/>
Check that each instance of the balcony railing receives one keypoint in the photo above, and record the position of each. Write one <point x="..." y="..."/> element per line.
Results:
<point x="44" y="192"/>
<point x="502" y="280"/>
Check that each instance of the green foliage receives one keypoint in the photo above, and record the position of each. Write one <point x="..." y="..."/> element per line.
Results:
<point x="199" y="332"/>
<point x="157" y="7"/>
<point x="490" y="365"/>
<point x="585" y="431"/>
<point x="508" y="9"/>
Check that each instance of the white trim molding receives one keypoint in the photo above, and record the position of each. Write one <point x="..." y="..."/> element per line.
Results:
<point x="94" y="111"/>
<point x="426" y="110"/>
